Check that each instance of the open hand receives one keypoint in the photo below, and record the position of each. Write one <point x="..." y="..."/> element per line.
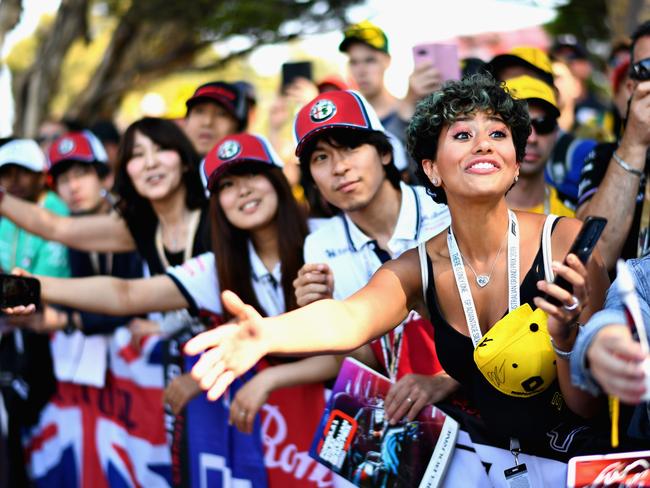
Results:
<point x="231" y="349"/>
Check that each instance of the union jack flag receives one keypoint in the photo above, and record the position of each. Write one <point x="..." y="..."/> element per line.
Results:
<point x="106" y="437"/>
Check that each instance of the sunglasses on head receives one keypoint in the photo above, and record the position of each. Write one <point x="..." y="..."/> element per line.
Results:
<point x="640" y="70"/>
<point x="544" y="125"/>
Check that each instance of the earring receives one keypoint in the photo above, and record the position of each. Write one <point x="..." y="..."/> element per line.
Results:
<point x="434" y="181"/>
<point x="516" y="179"/>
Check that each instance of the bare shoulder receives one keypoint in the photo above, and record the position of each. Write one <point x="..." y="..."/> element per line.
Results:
<point x="565" y="232"/>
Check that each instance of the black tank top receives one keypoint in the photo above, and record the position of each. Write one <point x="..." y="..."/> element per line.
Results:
<point x="504" y="415"/>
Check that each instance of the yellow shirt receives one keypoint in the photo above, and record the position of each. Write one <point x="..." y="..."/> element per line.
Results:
<point x="554" y="203"/>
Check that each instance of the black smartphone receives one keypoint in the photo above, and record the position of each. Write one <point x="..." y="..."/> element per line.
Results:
<point x="582" y="247"/>
<point x="19" y="290"/>
<point x="293" y="70"/>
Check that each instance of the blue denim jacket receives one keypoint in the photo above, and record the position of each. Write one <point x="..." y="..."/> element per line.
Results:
<point x="612" y="313"/>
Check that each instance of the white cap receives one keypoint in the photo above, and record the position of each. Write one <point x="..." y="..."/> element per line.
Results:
<point x="25" y="153"/>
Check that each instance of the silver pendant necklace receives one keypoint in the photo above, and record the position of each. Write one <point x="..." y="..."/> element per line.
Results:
<point x="482" y="280"/>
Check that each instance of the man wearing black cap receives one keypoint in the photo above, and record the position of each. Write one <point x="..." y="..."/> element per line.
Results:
<point x="215" y="110"/>
<point x="366" y="46"/>
<point x="565" y="162"/>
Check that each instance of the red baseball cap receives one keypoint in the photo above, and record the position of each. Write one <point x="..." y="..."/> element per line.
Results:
<point x="236" y="149"/>
<point x="228" y="95"/>
<point x="80" y="146"/>
<point x="336" y="109"/>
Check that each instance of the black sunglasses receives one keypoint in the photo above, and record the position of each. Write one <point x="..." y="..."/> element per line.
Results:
<point x="640" y="70"/>
<point x="544" y="125"/>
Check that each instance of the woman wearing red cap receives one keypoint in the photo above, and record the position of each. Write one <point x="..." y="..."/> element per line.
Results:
<point x="257" y="235"/>
<point x="469" y="138"/>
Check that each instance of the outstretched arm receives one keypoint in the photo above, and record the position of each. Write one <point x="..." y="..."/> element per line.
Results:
<point x="325" y="326"/>
<point x="109" y="295"/>
<point x="101" y="233"/>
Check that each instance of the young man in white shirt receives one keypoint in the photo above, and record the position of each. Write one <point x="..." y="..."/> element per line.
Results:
<point x="344" y="149"/>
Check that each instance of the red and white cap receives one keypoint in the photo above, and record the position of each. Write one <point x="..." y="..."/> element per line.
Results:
<point x="344" y="109"/>
<point x="80" y="146"/>
<point x="236" y="149"/>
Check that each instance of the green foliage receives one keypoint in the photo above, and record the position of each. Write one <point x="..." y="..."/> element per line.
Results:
<point x="585" y="19"/>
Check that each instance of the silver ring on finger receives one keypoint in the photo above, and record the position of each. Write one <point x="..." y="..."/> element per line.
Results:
<point x="573" y="306"/>
<point x="409" y="400"/>
<point x="242" y="413"/>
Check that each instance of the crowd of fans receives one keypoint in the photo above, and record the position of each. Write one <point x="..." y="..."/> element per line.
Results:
<point x="405" y="233"/>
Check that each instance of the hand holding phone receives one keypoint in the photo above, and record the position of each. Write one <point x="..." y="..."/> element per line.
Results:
<point x="19" y="290"/>
<point x="582" y="247"/>
<point x="442" y="56"/>
<point x="293" y="70"/>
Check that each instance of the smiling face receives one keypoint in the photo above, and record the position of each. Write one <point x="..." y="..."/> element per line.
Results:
<point x="249" y="201"/>
<point x="348" y="178"/>
<point x="475" y="157"/>
<point x="156" y="173"/>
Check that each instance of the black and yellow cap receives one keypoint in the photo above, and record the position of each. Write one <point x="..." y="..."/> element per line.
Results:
<point x="526" y="87"/>
<point x="366" y="33"/>
<point x="516" y="356"/>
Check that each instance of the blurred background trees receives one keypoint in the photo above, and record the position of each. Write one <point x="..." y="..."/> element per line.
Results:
<point x="92" y="57"/>
<point x="111" y="47"/>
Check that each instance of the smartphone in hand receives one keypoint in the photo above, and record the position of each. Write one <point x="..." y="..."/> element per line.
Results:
<point x="19" y="290"/>
<point x="582" y="247"/>
<point x="443" y="56"/>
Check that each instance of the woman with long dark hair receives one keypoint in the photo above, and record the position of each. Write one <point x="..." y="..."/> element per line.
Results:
<point x="482" y="283"/>
<point x="160" y="201"/>
<point x="258" y="234"/>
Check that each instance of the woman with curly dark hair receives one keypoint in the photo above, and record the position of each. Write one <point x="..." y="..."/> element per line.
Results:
<point x="481" y="283"/>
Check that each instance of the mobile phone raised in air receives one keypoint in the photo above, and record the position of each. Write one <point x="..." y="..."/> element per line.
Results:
<point x="582" y="247"/>
<point x="19" y="290"/>
<point x="443" y="56"/>
<point x="293" y="70"/>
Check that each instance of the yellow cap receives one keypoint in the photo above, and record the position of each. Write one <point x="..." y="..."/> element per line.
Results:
<point x="528" y="56"/>
<point x="516" y="355"/>
<point x="532" y="89"/>
<point x="366" y="33"/>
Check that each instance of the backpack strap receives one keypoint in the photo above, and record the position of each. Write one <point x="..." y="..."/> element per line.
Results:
<point x="424" y="269"/>
<point x="547" y="251"/>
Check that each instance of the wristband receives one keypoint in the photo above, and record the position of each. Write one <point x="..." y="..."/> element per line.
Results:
<point x="565" y="354"/>
<point x="626" y="166"/>
<point x="559" y="352"/>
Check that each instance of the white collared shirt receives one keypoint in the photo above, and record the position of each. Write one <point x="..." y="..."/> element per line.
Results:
<point x="349" y="252"/>
<point x="197" y="280"/>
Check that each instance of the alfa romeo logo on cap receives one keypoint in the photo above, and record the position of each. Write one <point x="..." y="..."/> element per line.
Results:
<point x="322" y="110"/>
<point x="66" y="146"/>
<point x="229" y="150"/>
